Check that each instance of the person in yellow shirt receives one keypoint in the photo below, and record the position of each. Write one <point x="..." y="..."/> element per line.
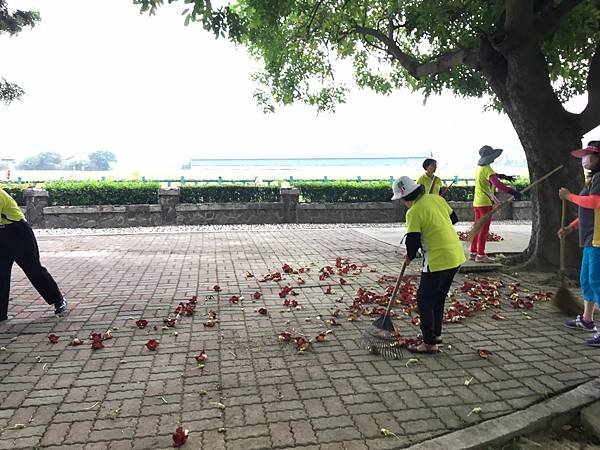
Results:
<point x="18" y="245"/>
<point x="429" y="226"/>
<point x="431" y="182"/>
<point x="483" y="200"/>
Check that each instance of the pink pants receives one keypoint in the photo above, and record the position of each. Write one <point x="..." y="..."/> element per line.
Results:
<point x="478" y="244"/>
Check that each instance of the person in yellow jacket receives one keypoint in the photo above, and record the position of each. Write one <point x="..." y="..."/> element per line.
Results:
<point x="430" y="182"/>
<point x="486" y="181"/>
<point x="429" y="227"/>
<point x="18" y="245"/>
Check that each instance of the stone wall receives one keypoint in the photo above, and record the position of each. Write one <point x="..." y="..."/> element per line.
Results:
<point x="169" y="211"/>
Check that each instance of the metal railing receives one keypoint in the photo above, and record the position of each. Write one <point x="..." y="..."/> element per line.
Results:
<point x="182" y="180"/>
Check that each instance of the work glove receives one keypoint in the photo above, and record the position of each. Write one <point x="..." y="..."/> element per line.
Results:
<point x="510" y="178"/>
<point x="516" y="194"/>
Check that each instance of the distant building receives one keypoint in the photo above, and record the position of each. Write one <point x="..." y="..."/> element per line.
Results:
<point x="7" y="163"/>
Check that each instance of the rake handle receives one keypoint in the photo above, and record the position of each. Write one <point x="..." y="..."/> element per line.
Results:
<point x="396" y="287"/>
<point x="528" y="188"/>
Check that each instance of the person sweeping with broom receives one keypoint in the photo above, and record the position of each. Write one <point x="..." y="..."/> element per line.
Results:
<point x="429" y="226"/>
<point x="483" y="201"/>
<point x="588" y="224"/>
<point x="18" y="245"/>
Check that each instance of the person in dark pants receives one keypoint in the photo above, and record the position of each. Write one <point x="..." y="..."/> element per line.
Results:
<point x="18" y="245"/>
<point x="429" y="226"/>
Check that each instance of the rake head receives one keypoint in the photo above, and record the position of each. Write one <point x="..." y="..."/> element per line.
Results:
<point x="381" y="342"/>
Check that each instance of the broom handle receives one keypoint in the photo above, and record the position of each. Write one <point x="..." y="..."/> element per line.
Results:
<point x="396" y="287"/>
<point x="531" y="186"/>
<point x="563" y="221"/>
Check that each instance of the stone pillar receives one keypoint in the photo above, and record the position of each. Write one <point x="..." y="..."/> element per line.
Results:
<point x="168" y="199"/>
<point x="290" y="197"/>
<point x="35" y="201"/>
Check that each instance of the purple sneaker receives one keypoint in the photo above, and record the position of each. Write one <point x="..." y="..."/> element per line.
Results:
<point x="579" y="322"/>
<point x="594" y="341"/>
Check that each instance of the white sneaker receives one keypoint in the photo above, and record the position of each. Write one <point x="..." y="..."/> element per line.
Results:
<point x="485" y="259"/>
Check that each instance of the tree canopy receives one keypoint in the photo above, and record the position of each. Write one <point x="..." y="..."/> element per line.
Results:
<point x="13" y="23"/>
<point x="425" y="45"/>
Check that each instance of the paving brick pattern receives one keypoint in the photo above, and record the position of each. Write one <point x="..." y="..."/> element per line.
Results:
<point x="335" y="396"/>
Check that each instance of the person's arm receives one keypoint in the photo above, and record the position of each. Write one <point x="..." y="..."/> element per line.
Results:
<point x="575" y="224"/>
<point x="504" y="188"/>
<point x="413" y="244"/>
<point x="585" y="201"/>
<point x="453" y="217"/>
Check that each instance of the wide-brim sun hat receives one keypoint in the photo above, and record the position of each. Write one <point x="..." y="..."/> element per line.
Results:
<point x="590" y="149"/>
<point x="403" y="186"/>
<point x="487" y="155"/>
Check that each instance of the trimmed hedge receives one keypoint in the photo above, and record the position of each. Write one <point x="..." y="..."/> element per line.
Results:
<point x="372" y="191"/>
<point x="15" y="191"/>
<point x="344" y="191"/>
<point x="84" y="193"/>
<point x="226" y="193"/>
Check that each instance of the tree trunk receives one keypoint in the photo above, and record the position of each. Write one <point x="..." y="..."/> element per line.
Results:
<point x="519" y="77"/>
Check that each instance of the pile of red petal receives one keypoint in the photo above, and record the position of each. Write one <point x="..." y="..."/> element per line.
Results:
<point x="302" y="344"/>
<point x="98" y="338"/>
<point x="187" y="309"/>
<point x="492" y="237"/>
<point x="519" y="301"/>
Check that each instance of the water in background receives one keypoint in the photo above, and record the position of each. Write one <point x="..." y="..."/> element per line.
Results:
<point x="274" y="169"/>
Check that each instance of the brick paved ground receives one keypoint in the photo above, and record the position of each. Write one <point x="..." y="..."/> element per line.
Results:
<point x="335" y="396"/>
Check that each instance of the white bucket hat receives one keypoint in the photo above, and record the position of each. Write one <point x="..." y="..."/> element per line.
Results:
<point x="402" y="187"/>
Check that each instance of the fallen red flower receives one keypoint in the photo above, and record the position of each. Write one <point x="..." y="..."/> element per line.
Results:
<point x="209" y="323"/>
<point x="217" y="288"/>
<point x="287" y="268"/>
<point x="152" y="344"/>
<point x="485" y="353"/>
<point x="194" y="299"/>
<point x="201" y="357"/>
<point x="53" y="338"/>
<point x="257" y="295"/>
<point x="497" y="316"/>
<point x="342" y="281"/>
<point x="170" y="322"/>
<point x="284" y="336"/>
<point x="320" y="337"/>
<point x="234" y="298"/>
<point x="97" y="344"/>
<point x="180" y="437"/>
<point x="328" y="290"/>
<point x="96" y="336"/>
<point x="302" y="344"/>
<point x="262" y="311"/>
<point x="141" y="324"/>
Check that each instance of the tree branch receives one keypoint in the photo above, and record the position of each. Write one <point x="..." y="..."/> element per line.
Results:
<point x="418" y="70"/>
<point x="590" y="116"/>
<point x="549" y="22"/>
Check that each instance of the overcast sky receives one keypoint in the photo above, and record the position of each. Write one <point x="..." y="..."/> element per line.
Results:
<point x="98" y="75"/>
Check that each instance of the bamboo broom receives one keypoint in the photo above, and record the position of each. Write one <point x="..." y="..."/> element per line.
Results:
<point x="479" y="224"/>
<point x="564" y="299"/>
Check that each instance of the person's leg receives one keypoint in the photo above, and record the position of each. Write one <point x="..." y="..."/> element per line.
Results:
<point x="483" y="234"/>
<point x="585" y="321"/>
<point x="426" y="302"/>
<point x="6" y="263"/>
<point x="594" y="269"/>
<point x="477" y="211"/>
<point x="27" y="257"/>
<point x="445" y="282"/>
